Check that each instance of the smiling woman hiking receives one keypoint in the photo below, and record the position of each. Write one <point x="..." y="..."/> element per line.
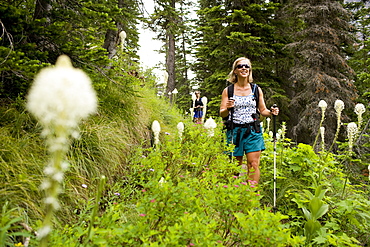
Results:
<point x="241" y="104"/>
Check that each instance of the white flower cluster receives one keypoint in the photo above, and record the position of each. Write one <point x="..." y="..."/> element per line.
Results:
<point x="322" y="132"/>
<point x="360" y="109"/>
<point x="323" y="105"/>
<point x="351" y="131"/>
<point x="61" y="96"/>
<point x="210" y="125"/>
<point x="268" y="123"/>
<point x="156" y="128"/>
<point x="180" y="128"/>
<point x="339" y="106"/>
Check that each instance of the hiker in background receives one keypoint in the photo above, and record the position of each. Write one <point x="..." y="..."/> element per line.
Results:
<point x="242" y="110"/>
<point x="198" y="108"/>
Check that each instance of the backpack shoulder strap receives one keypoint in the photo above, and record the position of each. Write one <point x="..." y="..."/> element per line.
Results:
<point x="230" y="91"/>
<point x="230" y="94"/>
<point x="256" y="93"/>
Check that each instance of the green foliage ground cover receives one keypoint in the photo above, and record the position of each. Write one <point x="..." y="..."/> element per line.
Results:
<point x="183" y="192"/>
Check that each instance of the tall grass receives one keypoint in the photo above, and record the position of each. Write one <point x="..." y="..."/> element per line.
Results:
<point x="106" y="143"/>
<point x="116" y="143"/>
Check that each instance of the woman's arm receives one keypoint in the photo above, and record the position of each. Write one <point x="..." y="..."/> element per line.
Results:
<point x="225" y="104"/>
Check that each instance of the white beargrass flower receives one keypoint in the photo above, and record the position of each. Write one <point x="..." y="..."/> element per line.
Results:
<point x="339" y="106"/>
<point x="60" y="97"/>
<point x="156" y="128"/>
<point x="369" y="170"/>
<point x="180" y="128"/>
<point x="323" y="105"/>
<point x="161" y="181"/>
<point x="351" y="132"/>
<point x="283" y="130"/>
<point x="278" y="136"/>
<point x="280" y="133"/>
<point x="52" y="201"/>
<point x="210" y="125"/>
<point x="359" y="110"/>
<point x="268" y="123"/>
<point x="271" y="134"/>
<point x="44" y="232"/>
<point x="322" y="132"/>
<point x="122" y="36"/>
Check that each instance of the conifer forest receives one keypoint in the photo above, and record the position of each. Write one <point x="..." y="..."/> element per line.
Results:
<point x="99" y="150"/>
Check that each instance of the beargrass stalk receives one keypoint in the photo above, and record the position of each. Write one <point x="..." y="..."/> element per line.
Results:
<point x="99" y="192"/>
<point x="60" y="97"/>
<point x="359" y="110"/>
<point x="322" y="132"/>
<point x="338" y="106"/>
<point x="323" y="105"/>
<point x="351" y="133"/>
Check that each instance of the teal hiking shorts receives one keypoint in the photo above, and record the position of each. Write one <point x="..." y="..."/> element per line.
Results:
<point x="246" y="140"/>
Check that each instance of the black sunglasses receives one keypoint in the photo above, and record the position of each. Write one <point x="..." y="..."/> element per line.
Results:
<point x="239" y="66"/>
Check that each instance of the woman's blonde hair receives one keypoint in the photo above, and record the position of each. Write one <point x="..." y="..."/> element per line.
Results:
<point x="232" y="77"/>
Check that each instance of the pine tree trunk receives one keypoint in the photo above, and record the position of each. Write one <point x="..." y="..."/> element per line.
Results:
<point x="170" y="63"/>
<point x="42" y="9"/>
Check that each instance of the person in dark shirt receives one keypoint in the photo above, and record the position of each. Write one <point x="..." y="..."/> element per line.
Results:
<point x="198" y="108"/>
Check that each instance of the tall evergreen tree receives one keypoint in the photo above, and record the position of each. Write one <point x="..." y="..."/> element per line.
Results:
<point x="184" y="56"/>
<point x="359" y="56"/>
<point x="40" y="31"/>
<point x="231" y="29"/>
<point x="167" y="22"/>
<point x="321" y="71"/>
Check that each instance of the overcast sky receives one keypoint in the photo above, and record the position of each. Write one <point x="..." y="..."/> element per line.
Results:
<point x="149" y="57"/>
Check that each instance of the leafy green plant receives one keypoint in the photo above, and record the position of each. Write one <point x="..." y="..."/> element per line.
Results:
<point x="9" y="227"/>
<point x="316" y="209"/>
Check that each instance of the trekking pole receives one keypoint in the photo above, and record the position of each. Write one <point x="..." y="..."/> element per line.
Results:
<point x="232" y="128"/>
<point x="274" y="139"/>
